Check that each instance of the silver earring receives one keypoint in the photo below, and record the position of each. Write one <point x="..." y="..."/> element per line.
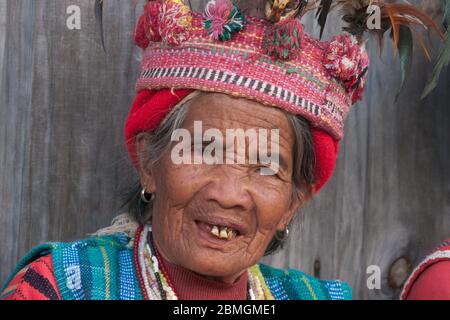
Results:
<point x="144" y="198"/>
<point x="284" y="236"/>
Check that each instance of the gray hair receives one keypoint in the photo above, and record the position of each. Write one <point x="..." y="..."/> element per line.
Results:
<point x="159" y="141"/>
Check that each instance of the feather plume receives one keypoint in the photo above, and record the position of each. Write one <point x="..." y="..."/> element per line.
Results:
<point x="322" y="14"/>
<point x="443" y="59"/>
<point x="355" y="14"/>
<point x="401" y="19"/>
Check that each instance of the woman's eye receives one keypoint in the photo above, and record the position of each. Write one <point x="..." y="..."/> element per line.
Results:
<point x="266" y="171"/>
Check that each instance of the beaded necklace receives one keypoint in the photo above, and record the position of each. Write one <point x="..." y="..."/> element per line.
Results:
<point x="154" y="279"/>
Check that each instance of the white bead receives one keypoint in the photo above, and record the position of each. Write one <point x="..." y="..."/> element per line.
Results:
<point x="155" y="264"/>
<point x="151" y="285"/>
<point x="252" y="295"/>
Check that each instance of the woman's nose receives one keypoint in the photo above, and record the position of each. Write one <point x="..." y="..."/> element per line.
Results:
<point x="229" y="188"/>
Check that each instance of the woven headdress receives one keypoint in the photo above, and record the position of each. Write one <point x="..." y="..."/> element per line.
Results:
<point x="271" y="60"/>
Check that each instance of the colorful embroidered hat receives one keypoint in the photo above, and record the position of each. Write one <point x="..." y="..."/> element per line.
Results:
<point x="272" y="61"/>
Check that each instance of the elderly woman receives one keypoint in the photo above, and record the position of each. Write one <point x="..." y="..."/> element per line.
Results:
<point x="207" y="210"/>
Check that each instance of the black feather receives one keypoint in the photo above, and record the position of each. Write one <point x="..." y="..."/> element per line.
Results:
<point x="322" y="14"/>
<point x="99" y="19"/>
<point x="356" y="20"/>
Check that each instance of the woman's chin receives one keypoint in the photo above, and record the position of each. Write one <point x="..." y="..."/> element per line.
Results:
<point x="216" y="265"/>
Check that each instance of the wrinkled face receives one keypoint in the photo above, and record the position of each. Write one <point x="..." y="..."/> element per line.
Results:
<point x="190" y="199"/>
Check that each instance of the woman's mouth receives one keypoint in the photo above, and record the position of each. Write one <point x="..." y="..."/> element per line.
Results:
<point x="217" y="233"/>
<point x="223" y="232"/>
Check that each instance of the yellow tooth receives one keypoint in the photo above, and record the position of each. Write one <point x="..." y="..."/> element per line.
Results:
<point x="215" y="231"/>
<point x="223" y="233"/>
<point x="230" y="234"/>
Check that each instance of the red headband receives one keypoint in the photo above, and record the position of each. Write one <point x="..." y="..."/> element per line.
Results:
<point x="151" y="106"/>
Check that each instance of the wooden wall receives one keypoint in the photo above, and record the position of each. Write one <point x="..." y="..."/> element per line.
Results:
<point x="63" y="165"/>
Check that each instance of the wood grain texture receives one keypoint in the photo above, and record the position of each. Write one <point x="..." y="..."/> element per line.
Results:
<point x="63" y="165"/>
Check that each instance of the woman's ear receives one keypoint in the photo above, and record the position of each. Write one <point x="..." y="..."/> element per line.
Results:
<point x="145" y="171"/>
<point x="299" y="198"/>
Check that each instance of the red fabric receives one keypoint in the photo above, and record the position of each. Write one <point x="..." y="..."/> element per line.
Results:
<point x="326" y="150"/>
<point x="140" y="36"/>
<point x="151" y="106"/>
<point x="148" y="110"/>
<point x="433" y="283"/>
<point x="431" y="280"/>
<point x="34" y="282"/>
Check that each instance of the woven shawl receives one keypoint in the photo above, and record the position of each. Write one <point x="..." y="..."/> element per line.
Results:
<point x="102" y="268"/>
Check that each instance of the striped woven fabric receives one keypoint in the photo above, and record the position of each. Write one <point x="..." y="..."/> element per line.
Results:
<point x="99" y="268"/>
<point x="104" y="268"/>
<point x="296" y="285"/>
<point x="34" y="282"/>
